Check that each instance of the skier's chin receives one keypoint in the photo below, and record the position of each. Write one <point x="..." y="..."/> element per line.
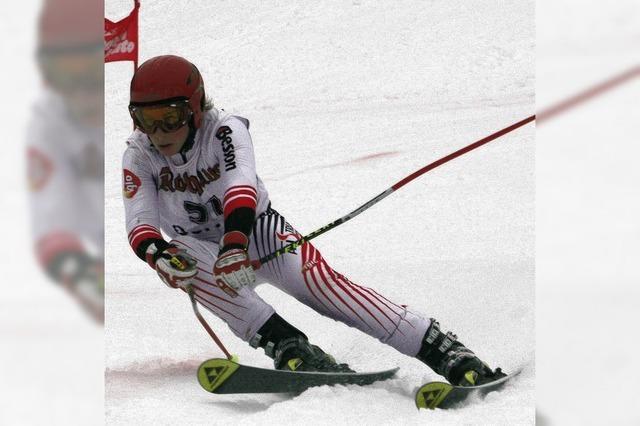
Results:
<point x="168" y="149"/>
<point x="169" y="144"/>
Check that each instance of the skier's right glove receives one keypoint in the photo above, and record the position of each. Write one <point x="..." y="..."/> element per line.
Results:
<point x="233" y="269"/>
<point x="175" y="267"/>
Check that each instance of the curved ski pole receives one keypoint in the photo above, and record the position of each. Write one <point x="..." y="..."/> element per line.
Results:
<point x="390" y="190"/>
<point x="194" y="305"/>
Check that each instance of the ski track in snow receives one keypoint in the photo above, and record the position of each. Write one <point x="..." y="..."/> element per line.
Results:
<point x="324" y="85"/>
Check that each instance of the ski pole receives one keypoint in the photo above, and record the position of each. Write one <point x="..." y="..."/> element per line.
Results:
<point x="204" y="323"/>
<point x="392" y="189"/>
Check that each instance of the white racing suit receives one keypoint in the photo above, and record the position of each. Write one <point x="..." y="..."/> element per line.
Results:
<point x="188" y="195"/>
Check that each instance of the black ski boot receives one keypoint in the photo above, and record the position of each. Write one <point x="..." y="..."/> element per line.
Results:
<point x="451" y="359"/>
<point x="291" y="350"/>
<point x="297" y="354"/>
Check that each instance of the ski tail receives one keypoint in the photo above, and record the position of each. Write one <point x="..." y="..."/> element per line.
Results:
<point x="432" y="394"/>
<point x="445" y="395"/>
<point x="214" y="372"/>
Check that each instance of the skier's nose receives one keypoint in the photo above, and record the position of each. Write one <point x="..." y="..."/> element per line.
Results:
<point x="159" y="133"/>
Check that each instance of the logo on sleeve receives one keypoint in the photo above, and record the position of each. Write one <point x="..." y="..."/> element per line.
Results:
<point x="227" y="147"/>
<point x="130" y="182"/>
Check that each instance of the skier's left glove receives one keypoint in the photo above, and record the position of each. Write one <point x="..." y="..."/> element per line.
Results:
<point x="174" y="266"/>
<point x="233" y="269"/>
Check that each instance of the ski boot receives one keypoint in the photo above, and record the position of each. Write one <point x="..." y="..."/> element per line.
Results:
<point x="297" y="354"/>
<point x="290" y="348"/>
<point x="451" y="359"/>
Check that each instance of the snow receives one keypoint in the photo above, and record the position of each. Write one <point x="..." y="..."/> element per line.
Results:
<point x="325" y="84"/>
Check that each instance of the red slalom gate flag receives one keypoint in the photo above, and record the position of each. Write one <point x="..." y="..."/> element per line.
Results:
<point x="121" y="38"/>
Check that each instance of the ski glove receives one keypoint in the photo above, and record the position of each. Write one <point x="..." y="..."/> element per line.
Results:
<point x="233" y="269"/>
<point x="174" y="266"/>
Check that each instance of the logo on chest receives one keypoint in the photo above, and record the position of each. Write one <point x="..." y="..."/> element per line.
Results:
<point x="187" y="183"/>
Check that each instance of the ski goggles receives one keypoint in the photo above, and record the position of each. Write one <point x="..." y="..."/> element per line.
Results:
<point x="169" y="116"/>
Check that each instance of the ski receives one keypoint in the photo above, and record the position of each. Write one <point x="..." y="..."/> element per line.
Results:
<point x="222" y="376"/>
<point x="444" y="395"/>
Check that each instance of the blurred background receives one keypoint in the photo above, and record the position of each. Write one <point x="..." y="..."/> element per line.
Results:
<point x="51" y="258"/>
<point x="588" y="205"/>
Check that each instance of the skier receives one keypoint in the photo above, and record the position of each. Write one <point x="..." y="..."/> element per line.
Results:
<point x="189" y="170"/>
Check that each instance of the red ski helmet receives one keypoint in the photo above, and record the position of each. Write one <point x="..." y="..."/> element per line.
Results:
<point x="168" y="77"/>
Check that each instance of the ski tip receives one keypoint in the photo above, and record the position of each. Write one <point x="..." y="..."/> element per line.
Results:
<point x="382" y="374"/>
<point x="393" y="371"/>
<point x="387" y="374"/>
<point x="390" y="371"/>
